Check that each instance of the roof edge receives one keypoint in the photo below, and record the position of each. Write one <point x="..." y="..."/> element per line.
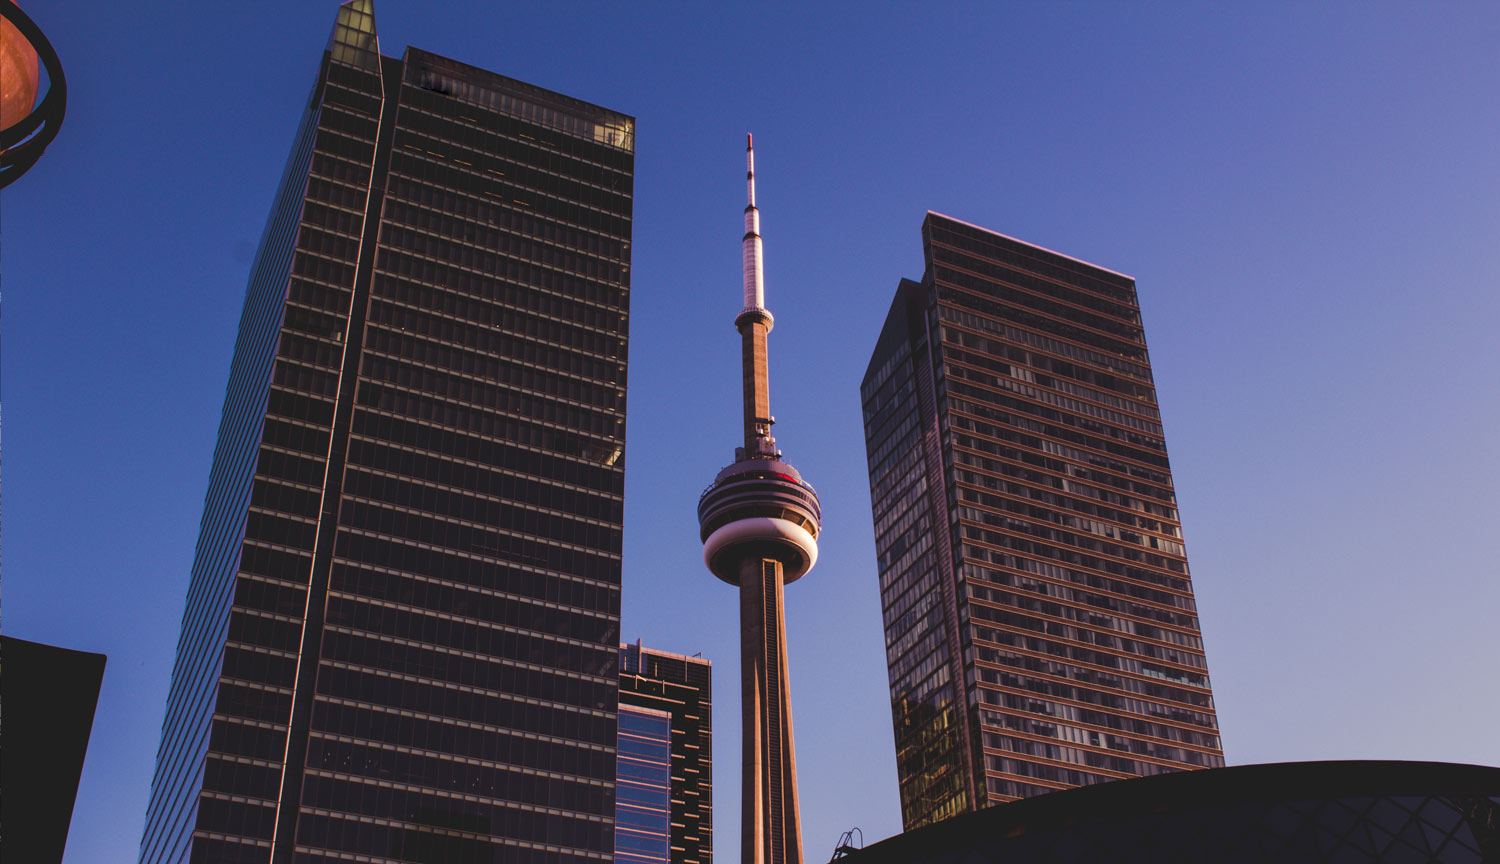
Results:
<point x="1036" y="246"/>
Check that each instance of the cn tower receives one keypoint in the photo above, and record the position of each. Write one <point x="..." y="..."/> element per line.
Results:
<point x="759" y="523"/>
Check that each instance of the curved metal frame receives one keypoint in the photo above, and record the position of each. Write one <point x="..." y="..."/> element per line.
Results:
<point x="21" y="145"/>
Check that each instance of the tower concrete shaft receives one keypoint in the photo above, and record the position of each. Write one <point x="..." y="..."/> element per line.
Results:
<point x="771" y="825"/>
<point x="759" y="523"/>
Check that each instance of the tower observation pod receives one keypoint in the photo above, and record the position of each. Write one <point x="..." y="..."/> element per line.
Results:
<point x="759" y="522"/>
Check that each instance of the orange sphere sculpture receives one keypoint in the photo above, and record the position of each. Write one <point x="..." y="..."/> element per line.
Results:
<point x="18" y="75"/>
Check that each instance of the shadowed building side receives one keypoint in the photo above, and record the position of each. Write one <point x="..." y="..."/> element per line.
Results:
<point x="401" y="638"/>
<point x="48" y="696"/>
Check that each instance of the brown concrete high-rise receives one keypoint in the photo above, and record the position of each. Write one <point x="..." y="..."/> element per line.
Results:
<point x="759" y="525"/>
<point x="1040" y="625"/>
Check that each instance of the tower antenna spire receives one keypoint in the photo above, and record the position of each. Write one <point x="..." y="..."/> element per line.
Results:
<point x="754" y="323"/>
<point x="755" y="287"/>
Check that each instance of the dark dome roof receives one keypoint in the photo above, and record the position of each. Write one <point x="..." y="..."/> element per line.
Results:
<point x="1284" y="812"/>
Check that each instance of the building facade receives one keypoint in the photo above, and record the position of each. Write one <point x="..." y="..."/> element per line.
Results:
<point x="643" y="787"/>
<point x="1040" y="624"/>
<point x="681" y="688"/>
<point x="402" y="625"/>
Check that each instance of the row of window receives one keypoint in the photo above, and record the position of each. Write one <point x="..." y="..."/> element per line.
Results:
<point x="1004" y="328"/>
<point x="461" y="201"/>
<point x="1074" y="480"/>
<point x="1054" y="427"/>
<point x="1079" y="591"/>
<point x="405" y="841"/>
<point x="1022" y="639"/>
<point x="279" y="530"/>
<point x="450" y="812"/>
<point x="307" y="379"/>
<point x="1081" y="635"/>
<point x="418" y="405"/>
<point x="1110" y="529"/>
<point x="537" y="168"/>
<point x="1032" y="489"/>
<point x="255" y="629"/>
<point x="485" y="780"/>
<point x="491" y="361"/>
<point x="1039" y="771"/>
<point x="1121" y="392"/>
<point x="461" y="210"/>
<point x="390" y="554"/>
<point x="301" y="501"/>
<point x="512" y="598"/>
<point x="545" y="540"/>
<point x="594" y="209"/>
<point x="1048" y="728"/>
<point x="494" y="107"/>
<point x="497" y="303"/>
<point x="1030" y="258"/>
<point x="1073" y="755"/>
<point x="439" y="661"/>
<point x="486" y="708"/>
<point x="1069" y="557"/>
<point x="960" y="367"/>
<point x="489" y="454"/>
<point x="233" y="776"/>
<point x="993" y="703"/>
<point x="988" y="298"/>
<point x="500" y="336"/>
<point x="517" y="632"/>
<point x="484" y="394"/>
<point x="478" y="248"/>
<point x="1085" y="613"/>
<point x="517" y="488"/>
<point x="1119" y="309"/>
<point x="478" y="742"/>
<point x="1070" y="538"/>
<point x="1133" y="582"/>
<point x="1091" y="695"/>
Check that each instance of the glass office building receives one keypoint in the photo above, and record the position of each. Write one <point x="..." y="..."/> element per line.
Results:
<point x="681" y="687"/>
<point x="402" y="625"/>
<point x="643" y="793"/>
<point x="1040" y="626"/>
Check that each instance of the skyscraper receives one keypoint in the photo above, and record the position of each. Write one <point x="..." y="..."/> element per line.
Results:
<point x="1039" y="617"/>
<point x="759" y="523"/>
<point x="660" y="687"/>
<point x="402" y="628"/>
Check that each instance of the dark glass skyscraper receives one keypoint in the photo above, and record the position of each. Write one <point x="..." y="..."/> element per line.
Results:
<point x="402" y="626"/>
<point x="1039" y="618"/>
<point x="681" y="688"/>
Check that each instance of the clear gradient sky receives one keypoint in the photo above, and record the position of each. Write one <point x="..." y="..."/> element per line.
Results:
<point x="1307" y="194"/>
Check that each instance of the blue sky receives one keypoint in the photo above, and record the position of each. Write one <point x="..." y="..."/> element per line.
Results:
<point x="1307" y="194"/>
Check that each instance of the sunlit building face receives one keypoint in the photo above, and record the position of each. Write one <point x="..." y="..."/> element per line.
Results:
<point x="1040" y="626"/>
